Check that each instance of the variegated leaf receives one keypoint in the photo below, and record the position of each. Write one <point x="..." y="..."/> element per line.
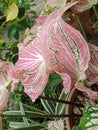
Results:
<point x="65" y="49"/>
<point x="89" y="121"/>
<point x="32" y="63"/>
<point x="34" y="70"/>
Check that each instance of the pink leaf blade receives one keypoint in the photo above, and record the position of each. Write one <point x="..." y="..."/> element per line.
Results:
<point x="66" y="81"/>
<point x="35" y="89"/>
<point x="35" y="73"/>
<point x="93" y="95"/>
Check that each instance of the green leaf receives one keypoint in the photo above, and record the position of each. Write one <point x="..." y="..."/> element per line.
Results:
<point x="14" y="59"/>
<point x="18" y="113"/>
<point x="14" y="49"/>
<point x="35" y="110"/>
<point x="89" y="120"/>
<point x="21" y="12"/>
<point x="55" y="79"/>
<point x="23" y="113"/>
<point x="16" y="124"/>
<point x="16" y="36"/>
<point x="33" y="12"/>
<point x="12" y="12"/>
<point x="11" y="113"/>
<point x="46" y="105"/>
<point x="13" y="32"/>
<point x="60" y="107"/>
<point x="35" y="127"/>
<point x="25" y="23"/>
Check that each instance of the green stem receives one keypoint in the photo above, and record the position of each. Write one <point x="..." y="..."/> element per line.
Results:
<point x="95" y="11"/>
<point x="82" y="29"/>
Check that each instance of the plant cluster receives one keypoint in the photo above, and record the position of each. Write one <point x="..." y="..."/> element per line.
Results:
<point x="52" y="48"/>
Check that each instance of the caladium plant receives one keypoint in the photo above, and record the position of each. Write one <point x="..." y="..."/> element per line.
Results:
<point x="89" y="120"/>
<point x="58" y="48"/>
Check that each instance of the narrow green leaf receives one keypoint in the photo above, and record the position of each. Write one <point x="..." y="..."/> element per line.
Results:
<point x="60" y="107"/>
<point x="35" y="127"/>
<point x="16" y="124"/>
<point x="12" y="31"/>
<point x="18" y="113"/>
<point x="21" y="12"/>
<point x="11" y="113"/>
<point x="55" y="79"/>
<point x="46" y="105"/>
<point x="35" y="110"/>
<point x="23" y="113"/>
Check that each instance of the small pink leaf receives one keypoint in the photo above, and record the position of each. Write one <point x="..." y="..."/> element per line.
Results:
<point x="66" y="82"/>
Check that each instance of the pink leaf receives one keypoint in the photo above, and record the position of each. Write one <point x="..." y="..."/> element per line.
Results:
<point x="4" y="95"/>
<point x="65" y="49"/>
<point x="35" y="73"/>
<point x="8" y="80"/>
<point x="66" y="82"/>
<point x="41" y="20"/>
<point x="58" y="48"/>
<point x="82" y="87"/>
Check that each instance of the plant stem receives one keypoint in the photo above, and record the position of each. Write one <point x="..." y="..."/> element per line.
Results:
<point x="95" y="11"/>
<point x="82" y="29"/>
<point x="41" y="116"/>
<point x="61" y="101"/>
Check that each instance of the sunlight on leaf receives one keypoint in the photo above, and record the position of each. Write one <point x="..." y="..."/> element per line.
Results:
<point x="12" y="12"/>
